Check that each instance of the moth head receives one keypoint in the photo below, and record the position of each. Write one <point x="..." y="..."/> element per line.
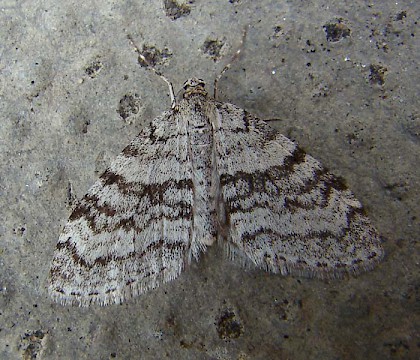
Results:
<point x="194" y="86"/>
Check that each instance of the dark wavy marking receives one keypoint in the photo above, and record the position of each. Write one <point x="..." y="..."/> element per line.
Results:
<point x="155" y="193"/>
<point x="104" y="260"/>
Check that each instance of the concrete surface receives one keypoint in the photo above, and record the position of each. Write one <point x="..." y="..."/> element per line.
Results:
<point x="342" y="78"/>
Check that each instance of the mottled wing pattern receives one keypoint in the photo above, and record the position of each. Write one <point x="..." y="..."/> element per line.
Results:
<point x="131" y="231"/>
<point x="284" y="212"/>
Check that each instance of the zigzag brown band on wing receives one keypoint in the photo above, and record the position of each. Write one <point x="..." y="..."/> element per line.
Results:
<point x="260" y="181"/>
<point x="104" y="260"/>
<point x="324" y="234"/>
<point x="268" y="244"/>
<point x="89" y="206"/>
<point x="110" y="178"/>
<point x="272" y="173"/>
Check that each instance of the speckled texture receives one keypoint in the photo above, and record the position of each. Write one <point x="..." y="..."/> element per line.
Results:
<point x="350" y="101"/>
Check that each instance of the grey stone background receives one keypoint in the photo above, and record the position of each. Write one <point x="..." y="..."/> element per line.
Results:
<point x="72" y="95"/>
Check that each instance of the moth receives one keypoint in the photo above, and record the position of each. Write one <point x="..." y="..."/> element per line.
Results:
<point x="207" y="172"/>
